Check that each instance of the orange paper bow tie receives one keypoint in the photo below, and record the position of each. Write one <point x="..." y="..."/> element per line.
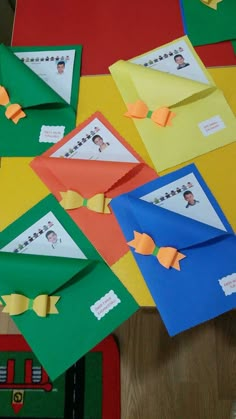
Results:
<point x="161" y="116"/>
<point x="13" y="110"/>
<point x="168" y="257"/>
<point x="211" y="3"/>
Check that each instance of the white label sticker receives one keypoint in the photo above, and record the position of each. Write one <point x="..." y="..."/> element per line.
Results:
<point x="228" y="284"/>
<point x="211" y="126"/>
<point x="105" y="304"/>
<point x="51" y="134"/>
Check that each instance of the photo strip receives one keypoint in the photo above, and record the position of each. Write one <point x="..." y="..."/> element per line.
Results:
<point x="54" y="67"/>
<point x="95" y="142"/>
<point x="176" y="59"/>
<point x="46" y="237"/>
<point x="185" y="196"/>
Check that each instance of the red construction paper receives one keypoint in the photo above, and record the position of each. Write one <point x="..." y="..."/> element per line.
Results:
<point x="110" y="377"/>
<point x="90" y="177"/>
<point x="109" y="30"/>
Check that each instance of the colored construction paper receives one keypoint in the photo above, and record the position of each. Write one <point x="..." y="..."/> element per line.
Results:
<point x="174" y="77"/>
<point x="44" y="252"/>
<point x="111" y="388"/>
<point x="58" y="66"/>
<point x="48" y="116"/>
<point x="94" y="159"/>
<point x="103" y="47"/>
<point x="18" y="197"/>
<point x="234" y="45"/>
<point x="205" y="25"/>
<point x="179" y="211"/>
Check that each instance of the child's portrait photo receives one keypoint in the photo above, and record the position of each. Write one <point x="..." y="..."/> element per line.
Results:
<point x="179" y="59"/>
<point x="189" y="197"/>
<point x="53" y="238"/>
<point x="60" y="67"/>
<point x="98" y="140"/>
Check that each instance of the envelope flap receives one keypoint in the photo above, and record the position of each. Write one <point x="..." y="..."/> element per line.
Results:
<point x="154" y="87"/>
<point x="22" y="84"/>
<point x="88" y="177"/>
<point x="32" y="275"/>
<point x="166" y="228"/>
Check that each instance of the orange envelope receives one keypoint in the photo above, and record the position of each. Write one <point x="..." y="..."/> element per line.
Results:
<point x="93" y="160"/>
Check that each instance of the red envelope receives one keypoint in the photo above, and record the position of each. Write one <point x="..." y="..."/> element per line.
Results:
<point x="90" y="177"/>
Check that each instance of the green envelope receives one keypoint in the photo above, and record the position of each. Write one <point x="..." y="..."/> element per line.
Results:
<point x="48" y="50"/>
<point x="204" y="25"/>
<point x="46" y="112"/>
<point x="93" y="302"/>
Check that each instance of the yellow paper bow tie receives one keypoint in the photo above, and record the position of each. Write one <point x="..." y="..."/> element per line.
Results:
<point x="161" y="116"/>
<point x="211" y="3"/>
<point x="13" y="110"/>
<point x="18" y="304"/>
<point x="72" y="200"/>
<point x="168" y="257"/>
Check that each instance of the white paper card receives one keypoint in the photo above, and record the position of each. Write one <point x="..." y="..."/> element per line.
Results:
<point x="105" y="304"/>
<point x="176" y="59"/>
<point x="95" y="142"/>
<point x="46" y="237"/>
<point x="51" y="134"/>
<point x="228" y="284"/>
<point x="54" y="67"/>
<point x="212" y="125"/>
<point x="185" y="196"/>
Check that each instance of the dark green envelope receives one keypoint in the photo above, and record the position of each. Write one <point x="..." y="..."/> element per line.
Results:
<point x="204" y="25"/>
<point x="40" y="103"/>
<point x="59" y="340"/>
<point x="76" y="70"/>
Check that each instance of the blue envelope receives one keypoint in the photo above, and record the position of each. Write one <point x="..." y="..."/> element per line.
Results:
<point x="179" y="211"/>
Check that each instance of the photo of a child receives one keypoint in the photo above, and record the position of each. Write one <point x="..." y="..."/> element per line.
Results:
<point x="98" y="140"/>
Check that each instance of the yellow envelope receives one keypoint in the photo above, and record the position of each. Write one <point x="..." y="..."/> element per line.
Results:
<point x="203" y="120"/>
<point x="21" y="188"/>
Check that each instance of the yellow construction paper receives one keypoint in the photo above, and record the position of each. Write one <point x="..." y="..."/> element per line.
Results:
<point x="21" y="188"/>
<point x="194" y="104"/>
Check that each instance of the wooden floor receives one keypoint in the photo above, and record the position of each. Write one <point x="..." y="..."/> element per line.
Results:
<point x="190" y="376"/>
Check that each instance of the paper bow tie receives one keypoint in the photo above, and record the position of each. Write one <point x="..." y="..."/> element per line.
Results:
<point x="168" y="257"/>
<point x="161" y="116"/>
<point x="18" y="304"/>
<point x="72" y="200"/>
<point x="211" y="3"/>
<point x="13" y="110"/>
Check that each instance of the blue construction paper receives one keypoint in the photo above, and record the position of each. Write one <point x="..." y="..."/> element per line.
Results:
<point x="192" y="295"/>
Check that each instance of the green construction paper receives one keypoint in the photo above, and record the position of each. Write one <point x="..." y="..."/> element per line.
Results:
<point x="234" y="45"/>
<point x="41" y="104"/>
<point x="37" y="403"/>
<point x="93" y="386"/>
<point x="60" y="340"/>
<point x="77" y="65"/>
<point x="205" y="25"/>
